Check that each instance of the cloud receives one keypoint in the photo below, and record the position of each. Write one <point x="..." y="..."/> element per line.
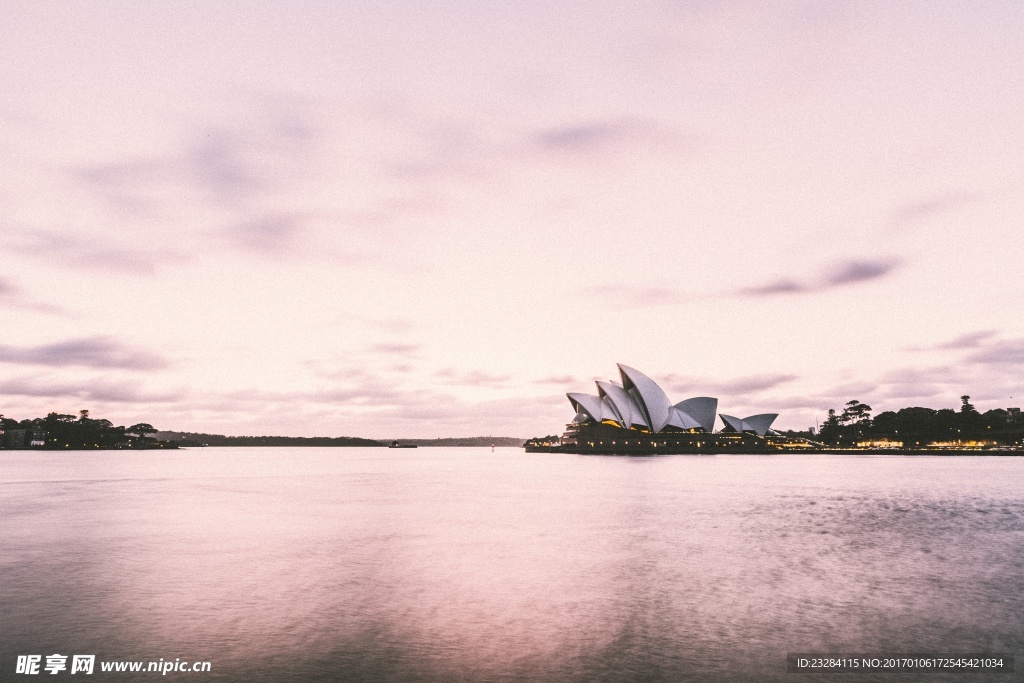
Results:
<point x="632" y="296"/>
<point x="11" y="296"/>
<point x="97" y="389"/>
<point x="588" y="136"/>
<point x="244" y="172"/>
<point x="851" y="272"/>
<point x="131" y="186"/>
<point x="914" y="212"/>
<point x="8" y="288"/>
<point x="613" y="135"/>
<point x="272" y="233"/>
<point x="1008" y="352"/>
<point x="92" y="352"/>
<point x="754" y="383"/>
<point x="841" y="274"/>
<point x="454" y="151"/>
<point x="782" y="286"/>
<point x="982" y="349"/>
<point x="221" y="161"/>
<point x="733" y="387"/>
<point x="395" y="349"/>
<point x="94" y="253"/>
<point x="473" y="378"/>
<point x="838" y="275"/>
<point x="971" y="340"/>
<point x="448" y="151"/>
<point x="563" y="380"/>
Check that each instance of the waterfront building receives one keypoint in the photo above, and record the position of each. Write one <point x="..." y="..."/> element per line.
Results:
<point x="636" y="415"/>
<point x="24" y="438"/>
<point x="638" y="403"/>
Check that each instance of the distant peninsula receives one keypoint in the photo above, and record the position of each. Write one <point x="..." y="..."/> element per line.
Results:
<point x="196" y="439"/>
<point x="57" y="431"/>
<point x="503" y="441"/>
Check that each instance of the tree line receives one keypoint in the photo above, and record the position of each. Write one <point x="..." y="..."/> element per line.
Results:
<point x="196" y="439"/>
<point x="81" y="431"/>
<point x="920" y="426"/>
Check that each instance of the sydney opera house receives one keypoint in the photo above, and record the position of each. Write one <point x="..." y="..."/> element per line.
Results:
<point x="636" y="416"/>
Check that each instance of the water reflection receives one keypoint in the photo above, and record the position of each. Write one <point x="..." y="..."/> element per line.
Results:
<point x="460" y="564"/>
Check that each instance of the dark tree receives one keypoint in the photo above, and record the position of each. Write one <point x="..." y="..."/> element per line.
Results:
<point x="141" y="430"/>
<point x="830" y="428"/>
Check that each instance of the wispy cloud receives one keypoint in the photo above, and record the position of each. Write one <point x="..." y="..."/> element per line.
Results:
<point x="735" y="387"/>
<point x="243" y="172"/>
<point x="94" y="389"/>
<point x="271" y="233"/>
<point x="775" y="287"/>
<point x="395" y="349"/>
<point x="7" y="288"/>
<point x="970" y="340"/>
<point x="94" y="252"/>
<point x="126" y="186"/>
<point x="585" y="136"/>
<point x="841" y="274"/>
<point x="563" y="380"/>
<point x="634" y="297"/>
<point x="914" y="212"/>
<point x="1001" y="353"/>
<point x="222" y="161"/>
<point x="852" y="272"/>
<point x="611" y="136"/>
<point x="466" y="151"/>
<point x="982" y="348"/>
<point x="12" y="296"/>
<point x="92" y="352"/>
<point x="472" y="378"/>
<point x="443" y="151"/>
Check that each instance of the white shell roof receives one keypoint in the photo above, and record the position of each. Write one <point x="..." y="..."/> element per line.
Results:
<point x="702" y="409"/>
<point x="759" y="424"/>
<point x="588" y="403"/>
<point x="639" y="401"/>
<point x="629" y="412"/>
<point x="649" y="395"/>
<point x="682" y="420"/>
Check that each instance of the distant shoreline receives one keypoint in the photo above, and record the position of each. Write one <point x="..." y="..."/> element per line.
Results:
<point x="199" y="440"/>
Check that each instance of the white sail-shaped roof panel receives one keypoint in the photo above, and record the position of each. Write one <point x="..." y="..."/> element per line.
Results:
<point x="702" y="409"/>
<point x="587" y="403"/>
<point x="624" y="404"/>
<point x="760" y="424"/>
<point x="682" y="420"/>
<point x="732" y="422"/>
<point x="650" y="396"/>
<point x="610" y="411"/>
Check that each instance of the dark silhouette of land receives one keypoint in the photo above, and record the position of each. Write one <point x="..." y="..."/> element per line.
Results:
<point x="67" y="432"/>
<point x="465" y="441"/>
<point x="916" y="427"/>
<point x="196" y="439"/>
<point x="911" y="430"/>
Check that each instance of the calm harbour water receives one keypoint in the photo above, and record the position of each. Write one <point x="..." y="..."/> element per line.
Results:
<point x="444" y="564"/>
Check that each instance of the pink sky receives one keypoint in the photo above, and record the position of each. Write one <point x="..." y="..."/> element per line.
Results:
<point x="433" y="219"/>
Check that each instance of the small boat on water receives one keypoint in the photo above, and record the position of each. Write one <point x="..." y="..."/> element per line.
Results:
<point x="395" y="444"/>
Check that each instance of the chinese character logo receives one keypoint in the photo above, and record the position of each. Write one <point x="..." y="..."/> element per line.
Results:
<point x="28" y="664"/>
<point x="82" y="664"/>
